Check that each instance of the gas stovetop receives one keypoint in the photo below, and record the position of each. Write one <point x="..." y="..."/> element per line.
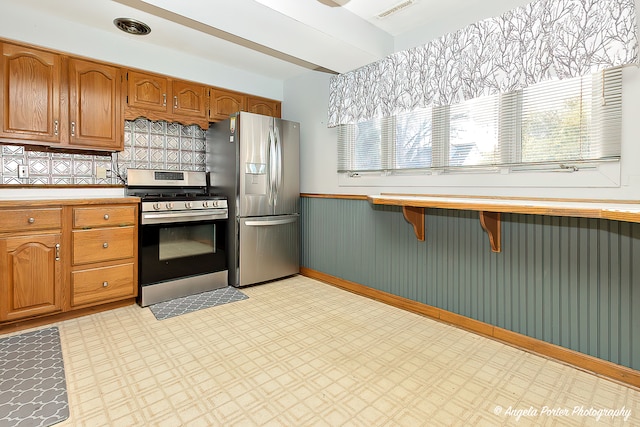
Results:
<point x="162" y="190"/>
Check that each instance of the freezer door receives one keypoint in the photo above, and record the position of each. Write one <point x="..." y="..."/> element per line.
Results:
<point x="269" y="248"/>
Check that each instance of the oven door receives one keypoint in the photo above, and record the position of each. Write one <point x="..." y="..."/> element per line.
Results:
<point x="176" y="250"/>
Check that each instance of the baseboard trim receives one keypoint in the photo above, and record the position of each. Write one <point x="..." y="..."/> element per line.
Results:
<point x="600" y="367"/>
<point x="20" y="325"/>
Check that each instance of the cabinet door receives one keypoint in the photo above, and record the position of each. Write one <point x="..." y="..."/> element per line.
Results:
<point x="267" y="107"/>
<point x="224" y="103"/>
<point x="30" y="94"/>
<point x="94" y="105"/>
<point x="147" y="91"/>
<point x="189" y="99"/>
<point x="31" y="276"/>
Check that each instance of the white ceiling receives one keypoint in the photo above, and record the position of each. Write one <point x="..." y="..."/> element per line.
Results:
<point x="275" y="38"/>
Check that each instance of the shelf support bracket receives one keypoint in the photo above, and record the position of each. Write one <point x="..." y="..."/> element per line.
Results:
<point x="490" y="222"/>
<point x="415" y="217"/>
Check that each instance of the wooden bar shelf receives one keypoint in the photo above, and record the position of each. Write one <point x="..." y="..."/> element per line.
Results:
<point x="490" y="209"/>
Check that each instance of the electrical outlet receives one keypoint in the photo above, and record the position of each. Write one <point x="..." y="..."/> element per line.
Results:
<point x="101" y="172"/>
<point x="23" y="171"/>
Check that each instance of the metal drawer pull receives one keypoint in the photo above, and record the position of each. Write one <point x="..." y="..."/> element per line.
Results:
<point x="55" y="128"/>
<point x="106" y="216"/>
<point x="57" y="251"/>
<point x="164" y="99"/>
<point x="73" y="128"/>
<point x="32" y="220"/>
<point x="175" y="102"/>
<point x="105" y="284"/>
<point x="105" y="245"/>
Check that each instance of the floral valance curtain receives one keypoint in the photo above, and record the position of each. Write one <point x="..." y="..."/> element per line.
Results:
<point x="543" y="40"/>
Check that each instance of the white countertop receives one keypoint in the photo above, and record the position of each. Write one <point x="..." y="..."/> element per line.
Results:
<point x="50" y="193"/>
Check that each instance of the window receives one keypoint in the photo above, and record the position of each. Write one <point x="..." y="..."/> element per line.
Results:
<point x="551" y="123"/>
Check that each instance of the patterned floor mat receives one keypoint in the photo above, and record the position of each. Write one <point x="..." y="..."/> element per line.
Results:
<point x="33" y="388"/>
<point x="188" y="304"/>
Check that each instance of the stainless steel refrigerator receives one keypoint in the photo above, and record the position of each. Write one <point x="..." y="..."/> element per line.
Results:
<point x="254" y="161"/>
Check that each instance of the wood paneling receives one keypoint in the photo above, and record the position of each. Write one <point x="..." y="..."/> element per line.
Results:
<point x="570" y="282"/>
<point x="589" y="363"/>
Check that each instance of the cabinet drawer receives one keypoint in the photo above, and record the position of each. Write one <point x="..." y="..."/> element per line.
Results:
<point x="30" y="219"/>
<point x="102" y="284"/>
<point x="104" y="216"/>
<point x="102" y="244"/>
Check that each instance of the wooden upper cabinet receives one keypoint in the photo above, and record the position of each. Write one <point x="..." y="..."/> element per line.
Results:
<point x="223" y="103"/>
<point x="189" y="99"/>
<point x="147" y="91"/>
<point x="157" y="97"/>
<point x="267" y="107"/>
<point x="94" y="105"/>
<point x="30" y="95"/>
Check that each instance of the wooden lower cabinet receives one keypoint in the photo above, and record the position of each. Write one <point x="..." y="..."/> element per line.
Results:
<point x="102" y="244"/>
<point x="61" y="258"/>
<point x="97" y="285"/>
<point x="31" y="276"/>
<point x="104" y="251"/>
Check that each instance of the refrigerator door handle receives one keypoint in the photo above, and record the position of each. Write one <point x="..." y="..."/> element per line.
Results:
<point x="272" y="167"/>
<point x="262" y="223"/>
<point x="278" y="145"/>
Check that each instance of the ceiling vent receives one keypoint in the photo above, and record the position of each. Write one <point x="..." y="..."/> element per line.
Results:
<point x="395" y="9"/>
<point x="131" y="26"/>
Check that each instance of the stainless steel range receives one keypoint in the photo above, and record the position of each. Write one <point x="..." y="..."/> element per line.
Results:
<point x="182" y="234"/>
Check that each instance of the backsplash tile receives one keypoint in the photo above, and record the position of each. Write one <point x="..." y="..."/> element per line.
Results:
<point x="147" y="144"/>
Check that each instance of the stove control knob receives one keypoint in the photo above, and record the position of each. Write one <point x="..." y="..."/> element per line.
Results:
<point x="156" y="206"/>
<point x="188" y="205"/>
<point x="215" y="203"/>
<point x="169" y="205"/>
<point x="205" y="204"/>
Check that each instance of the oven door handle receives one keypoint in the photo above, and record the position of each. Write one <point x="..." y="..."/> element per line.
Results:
<point x="158" y="218"/>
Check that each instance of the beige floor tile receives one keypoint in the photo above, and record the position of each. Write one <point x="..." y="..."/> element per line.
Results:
<point x="298" y="352"/>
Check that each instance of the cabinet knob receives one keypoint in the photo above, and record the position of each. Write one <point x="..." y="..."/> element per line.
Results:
<point x="105" y="245"/>
<point x="31" y="220"/>
<point x="73" y="128"/>
<point x="106" y="216"/>
<point x="105" y="284"/>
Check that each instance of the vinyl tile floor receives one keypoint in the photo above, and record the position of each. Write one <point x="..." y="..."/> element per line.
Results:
<point x="299" y="352"/>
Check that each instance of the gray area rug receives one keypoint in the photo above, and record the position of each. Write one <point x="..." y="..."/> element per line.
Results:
<point x="33" y="389"/>
<point x="191" y="303"/>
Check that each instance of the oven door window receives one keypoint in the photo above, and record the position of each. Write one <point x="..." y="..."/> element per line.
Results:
<point x="186" y="241"/>
<point x="177" y="250"/>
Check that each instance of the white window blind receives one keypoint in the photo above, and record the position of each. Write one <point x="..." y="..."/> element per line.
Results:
<point x="550" y="123"/>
